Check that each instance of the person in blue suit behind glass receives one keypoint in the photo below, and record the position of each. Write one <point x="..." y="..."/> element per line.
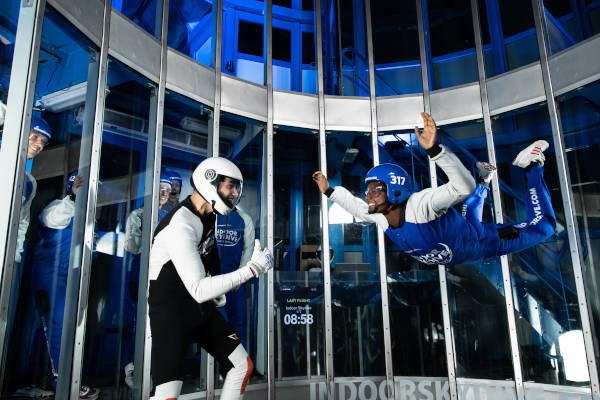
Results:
<point x="424" y="224"/>
<point x="40" y="134"/>
<point x="49" y="272"/>
<point x="235" y="240"/>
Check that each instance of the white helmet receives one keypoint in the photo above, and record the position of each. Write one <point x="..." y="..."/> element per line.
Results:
<point x="206" y="179"/>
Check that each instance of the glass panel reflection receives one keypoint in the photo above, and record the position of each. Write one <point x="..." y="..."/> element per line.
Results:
<point x="356" y="297"/>
<point x="547" y="314"/>
<point x="294" y="59"/>
<point x="191" y="29"/>
<point x="243" y="52"/>
<point x="345" y="63"/>
<point x="452" y="43"/>
<point x="299" y="321"/>
<point x="580" y="126"/>
<point x="396" y="48"/>
<point x="145" y="13"/>
<point x="511" y="32"/>
<point x="9" y="16"/>
<point x="476" y="290"/>
<point x="567" y="23"/>
<point x="45" y="234"/>
<point x="241" y="141"/>
<point x="113" y="295"/>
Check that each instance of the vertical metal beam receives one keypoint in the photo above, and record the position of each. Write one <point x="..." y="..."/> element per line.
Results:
<point x="489" y="137"/>
<point x="324" y="203"/>
<point x="385" y="312"/>
<point x="339" y="41"/>
<point x="213" y="140"/>
<point x="213" y="145"/>
<point x="567" y="196"/>
<point x="14" y="154"/>
<point x="143" y="337"/>
<point x="80" y="263"/>
<point x="270" y="199"/>
<point x="425" y="57"/>
<point x="424" y="53"/>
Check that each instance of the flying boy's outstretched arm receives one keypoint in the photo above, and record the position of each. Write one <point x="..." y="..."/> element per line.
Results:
<point x="460" y="182"/>
<point x="354" y="205"/>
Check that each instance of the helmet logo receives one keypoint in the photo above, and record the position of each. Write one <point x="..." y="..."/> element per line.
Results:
<point x="210" y="175"/>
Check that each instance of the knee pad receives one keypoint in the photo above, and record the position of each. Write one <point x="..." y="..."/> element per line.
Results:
<point x="167" y="391"/>
<point x="238" y="376"/>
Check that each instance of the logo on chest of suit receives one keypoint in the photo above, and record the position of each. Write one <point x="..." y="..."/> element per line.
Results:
<point x="435" y="256"/>
<point x="227" y="237"/>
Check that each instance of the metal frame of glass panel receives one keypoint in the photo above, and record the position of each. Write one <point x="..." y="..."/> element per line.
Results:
<point x="425" y="56"/>
<point x="566" y="193"/>
<point x="489" y="136"/>
<point x="78" y="280"/>
<point x="143" y="338"/>
<point x="387" y="340"/>
<point x="14" y="153"/>
<point x="270" y="198"/>
<point x="324" y="201"/>
<point x="23" y="84"/>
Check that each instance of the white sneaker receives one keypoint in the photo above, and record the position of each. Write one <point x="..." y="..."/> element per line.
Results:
<point x="486" y="171"/>
<point x="129" y="375"/>
<point x="532" y="153"/>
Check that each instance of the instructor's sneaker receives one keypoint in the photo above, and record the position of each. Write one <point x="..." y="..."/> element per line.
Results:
<point x="88" y="393"/>
<point x="485" y="172"/>
<point x="532" y="153"/>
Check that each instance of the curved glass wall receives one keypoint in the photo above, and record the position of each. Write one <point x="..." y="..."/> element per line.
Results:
<point x="191" y="29"/>
<point x="242" y="141"/>
<point x="546" y="310"/>
<point x="549" y="329"/>
<point x="355" y="285"/>
<point x="9" y="17"/>
<point x="59" y="139"/>
<point x="567" y="23"/>
<point x="294" y="59"/>
<point x="299" y="312"/>
<point x="113" y="294"/>
<point x="243" y="53"/>
<point x="509" y="29"/>
<point x="452" y="43"/>
<point x="580" y="123"/>
<point x="476" y="290"/>
<point x="145" y="13"/>
<point x="345" y="62"/>
<point x="396" y="48"/>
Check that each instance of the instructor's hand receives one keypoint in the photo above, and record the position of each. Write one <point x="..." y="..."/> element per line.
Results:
<point x="321" y="181"/>
<point x="428" y="137"/>
<point x="261" y="261"/>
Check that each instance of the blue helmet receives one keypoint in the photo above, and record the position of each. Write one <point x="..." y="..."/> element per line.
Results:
<point x="71" y="181"/>
<point x="174" y="176"/>
<point x="166" y="178"/>
<point x="396" y="179"/>
<point x="39" y="125"/>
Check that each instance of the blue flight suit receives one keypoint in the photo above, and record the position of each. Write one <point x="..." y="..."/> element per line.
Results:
<point x="437" y="234"/>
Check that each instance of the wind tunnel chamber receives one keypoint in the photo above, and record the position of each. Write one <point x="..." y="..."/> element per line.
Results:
<point x="284" y="88"/>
